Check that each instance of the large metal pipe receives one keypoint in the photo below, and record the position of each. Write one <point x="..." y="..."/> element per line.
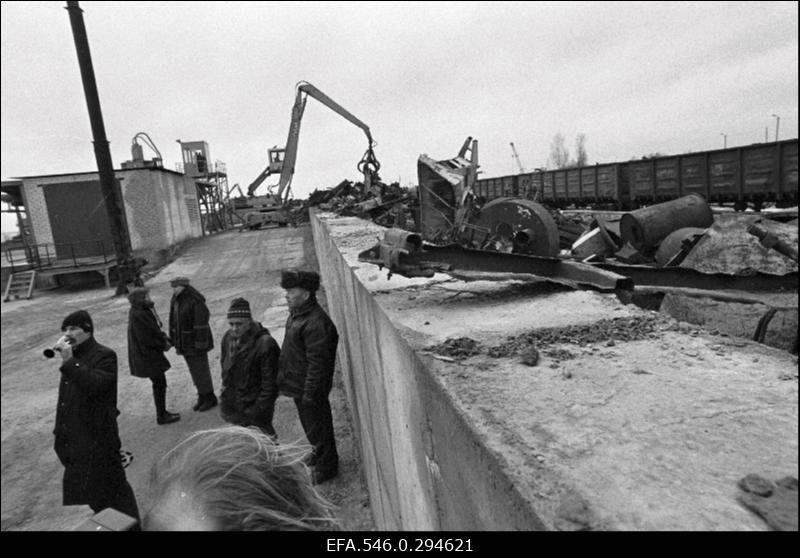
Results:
<point x="770" y="240"/>
<point x="102" y="154"/>
<point x="646" y="227"/>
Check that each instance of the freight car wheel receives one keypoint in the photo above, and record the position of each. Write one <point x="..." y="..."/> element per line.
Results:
<point x="514" y="224"/>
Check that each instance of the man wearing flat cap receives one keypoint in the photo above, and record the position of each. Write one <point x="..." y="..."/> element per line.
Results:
<point x="86" y="435"/>
<point x="191" y="336"/>
<point x="305" y="371"/>
<point x="249" y="370"/>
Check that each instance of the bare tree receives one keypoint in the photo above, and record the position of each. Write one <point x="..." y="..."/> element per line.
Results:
<point x="580" y="150"/>
<point x="559" y="154"/>
<point x="653" y="155"/>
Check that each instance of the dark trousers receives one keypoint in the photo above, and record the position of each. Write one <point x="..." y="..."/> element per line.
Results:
<point x="317" y="423"/>
<point x="122" y="500"/>
<point x="264" y="421"/>
<point x="159" y="380"/>
<point x="201" y="373"/>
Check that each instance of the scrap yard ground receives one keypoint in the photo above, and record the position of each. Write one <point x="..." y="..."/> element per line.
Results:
<point x="222" y="267"/>
<point x="630" y="419"/>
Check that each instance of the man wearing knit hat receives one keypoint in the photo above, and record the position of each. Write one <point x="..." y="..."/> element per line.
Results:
<point x="86" y="436"/>
<point x="249" y="370"/>
<point x="191" y="336"/>
<point x="305" y="372"/>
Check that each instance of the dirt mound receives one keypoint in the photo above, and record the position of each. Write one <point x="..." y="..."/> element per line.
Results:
<point x="458" y="348"/>
<point x="604" y="331"/>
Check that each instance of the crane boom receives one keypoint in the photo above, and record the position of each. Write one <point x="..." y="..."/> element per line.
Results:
<point x="516" y="157"/>
<point x="273" y="207"/>
<point x="286" y="164"/>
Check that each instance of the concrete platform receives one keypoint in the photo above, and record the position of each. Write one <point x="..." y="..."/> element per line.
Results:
<point x="650" y="431"/>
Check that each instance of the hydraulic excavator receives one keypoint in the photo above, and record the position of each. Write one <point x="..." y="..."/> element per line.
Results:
<point x="274" y="207"/>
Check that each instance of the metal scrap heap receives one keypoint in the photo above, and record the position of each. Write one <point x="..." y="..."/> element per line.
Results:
<point x="388" y="205"/>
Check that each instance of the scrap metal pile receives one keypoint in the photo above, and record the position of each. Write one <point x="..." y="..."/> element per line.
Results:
<point x="677" y="243"/>
<point x="388" y="205"/>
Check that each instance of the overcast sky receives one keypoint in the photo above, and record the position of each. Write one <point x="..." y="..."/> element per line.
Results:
<point x="636" y="78"/>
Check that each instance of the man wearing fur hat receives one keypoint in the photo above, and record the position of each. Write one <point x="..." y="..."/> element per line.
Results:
<point x="249" y="370"/>
<point x="86" y="436"/>
<point x="305" y="372"/>
<point x="191" y="336"/>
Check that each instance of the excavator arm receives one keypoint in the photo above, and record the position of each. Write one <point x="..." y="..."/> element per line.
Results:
<point x="283" y="160"/>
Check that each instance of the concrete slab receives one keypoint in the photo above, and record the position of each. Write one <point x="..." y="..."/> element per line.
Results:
<point x="727" y="247"/>
<point x="650" y="433"/>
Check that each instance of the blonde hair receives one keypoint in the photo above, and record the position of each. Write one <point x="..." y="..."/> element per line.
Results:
<point x="242" y="481"/>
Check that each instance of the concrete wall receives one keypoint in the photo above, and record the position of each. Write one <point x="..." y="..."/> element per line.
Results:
<point x="161" y="209"/>
<point x="631" y="420"/>
<point x="426" y="468"/>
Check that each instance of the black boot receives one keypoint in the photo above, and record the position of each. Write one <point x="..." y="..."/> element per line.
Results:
<point x="200" y="399"/>
<point x="208" y="401"/>
<point x="162" y="415"/>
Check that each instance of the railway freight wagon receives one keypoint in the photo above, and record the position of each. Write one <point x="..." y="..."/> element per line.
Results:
<point x="758" y="173"/>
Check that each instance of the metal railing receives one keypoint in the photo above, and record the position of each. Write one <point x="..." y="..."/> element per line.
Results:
<point x="41" y="256"/>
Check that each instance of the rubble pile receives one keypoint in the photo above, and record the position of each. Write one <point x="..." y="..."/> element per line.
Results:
<point x="607" y="332"/>
<point x="457" y="348"/>
<point x="604" y="331"/>
<point x="388" y="205"/>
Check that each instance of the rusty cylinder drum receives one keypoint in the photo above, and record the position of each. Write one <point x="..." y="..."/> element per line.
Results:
<point x="646" y="227"/>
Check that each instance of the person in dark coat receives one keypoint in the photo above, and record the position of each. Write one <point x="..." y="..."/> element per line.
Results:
<point x="86" y="435"/>
<point x="146" y="346"/>
<point x="190" y="334"/>
<point x="305" y="370"/>
<point x="249" y="370"/>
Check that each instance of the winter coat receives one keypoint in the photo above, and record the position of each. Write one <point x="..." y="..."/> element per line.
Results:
<point x="188" y="323"/>
<point x="308" y="355"/>
<point x="249" y="376"/>
<point x="146" y="343"/>
<point x="86" y="435"/>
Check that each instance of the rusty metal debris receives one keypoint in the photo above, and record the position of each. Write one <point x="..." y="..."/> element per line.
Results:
<point x="388" y="205"/>
<point x="442" y="226"/>
<point x="402" y="253"/>
<point x="769" y="240"/>
<point x="749" y="280"/>
<point x="677" y="245"/>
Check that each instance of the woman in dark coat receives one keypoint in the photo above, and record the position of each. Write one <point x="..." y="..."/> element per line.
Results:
<point x="146" y="346"/>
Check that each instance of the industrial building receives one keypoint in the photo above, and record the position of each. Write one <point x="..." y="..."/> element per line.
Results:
<point x="65" y="235"/>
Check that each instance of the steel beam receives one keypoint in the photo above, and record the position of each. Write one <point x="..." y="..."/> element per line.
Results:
<point x="691" y="278"/>
<point x="405" y="255"/>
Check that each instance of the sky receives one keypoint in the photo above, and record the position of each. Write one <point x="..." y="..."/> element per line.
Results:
<point x="635" y="77"/>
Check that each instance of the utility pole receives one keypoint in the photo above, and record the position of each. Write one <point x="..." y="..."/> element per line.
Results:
<point x="111" y="194"/>
<point x="724" y="140"/>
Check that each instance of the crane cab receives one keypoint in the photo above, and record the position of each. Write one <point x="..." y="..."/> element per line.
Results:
<point x="276" y="158"/>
